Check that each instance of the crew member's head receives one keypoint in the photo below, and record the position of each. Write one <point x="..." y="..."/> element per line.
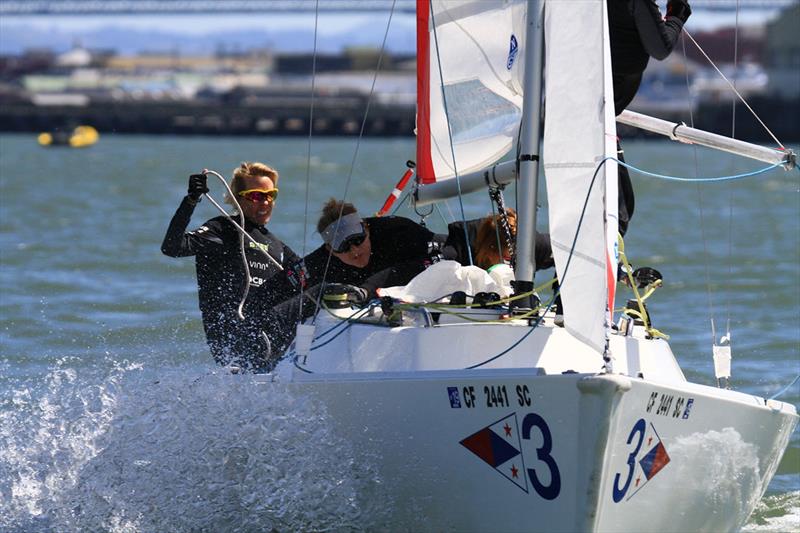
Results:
<point x="255" y="188"/>
<point x="344" y="233"/>
<point x="490" y="233"/>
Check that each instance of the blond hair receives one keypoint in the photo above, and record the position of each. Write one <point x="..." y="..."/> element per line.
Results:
<point x="249" y="170"/>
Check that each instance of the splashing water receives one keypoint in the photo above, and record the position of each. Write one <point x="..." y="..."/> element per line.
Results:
<point x="776" y="512"/>
<point x="188" y="451"/>
<point x="730" y="474"/>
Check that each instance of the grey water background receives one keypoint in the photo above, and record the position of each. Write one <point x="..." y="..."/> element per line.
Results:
<point x="113" y="416"/>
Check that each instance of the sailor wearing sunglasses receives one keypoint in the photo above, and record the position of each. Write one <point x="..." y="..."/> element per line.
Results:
<point x="363" y="254"/>
<point x="216" y="246"/>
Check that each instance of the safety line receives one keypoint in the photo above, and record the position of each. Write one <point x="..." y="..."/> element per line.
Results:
<point x="786" y="388"/>
<point x="695" y="180"/>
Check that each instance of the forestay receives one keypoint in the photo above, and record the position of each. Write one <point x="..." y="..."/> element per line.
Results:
<point x="579" y="133"/>
<point x="468" y="59"/>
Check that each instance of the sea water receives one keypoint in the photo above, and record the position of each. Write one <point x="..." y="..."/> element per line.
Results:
<point x="113" y="416"/>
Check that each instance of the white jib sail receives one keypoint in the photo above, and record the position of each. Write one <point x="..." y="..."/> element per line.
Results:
<point x="475" y="67"/>
<point x="579" y="134"/>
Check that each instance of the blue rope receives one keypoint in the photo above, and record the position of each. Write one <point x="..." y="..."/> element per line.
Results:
<point x="563" y="277"/>
<point x="676" y="178"/>
<point x="786" y="388"/>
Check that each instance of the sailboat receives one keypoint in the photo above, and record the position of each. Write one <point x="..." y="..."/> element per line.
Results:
<point x="494" y="417"/>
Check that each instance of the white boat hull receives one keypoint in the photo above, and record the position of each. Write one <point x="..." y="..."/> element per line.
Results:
<point x="515" y="450"/>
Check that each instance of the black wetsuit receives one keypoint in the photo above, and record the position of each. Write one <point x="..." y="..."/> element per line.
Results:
<point x="220" y="281"/>
<point x="400" y="249"/>
<point x="636" y="32"/>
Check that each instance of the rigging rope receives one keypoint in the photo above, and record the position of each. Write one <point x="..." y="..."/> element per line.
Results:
<point x="701" y="214"/>
<point x="563" y="277"/>
<point x="308" y="157"/>
<point x="450" y="135"/>
<point x="730" y="191"/>
<point x="774" y="138"/>
<point x="696" y="180"/>
<point x="358" y="145"/>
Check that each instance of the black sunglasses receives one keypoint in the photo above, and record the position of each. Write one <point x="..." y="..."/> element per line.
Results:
<point x="353" y="240"/>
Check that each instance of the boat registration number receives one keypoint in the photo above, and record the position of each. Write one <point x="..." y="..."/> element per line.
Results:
<point x="492" y="396"/>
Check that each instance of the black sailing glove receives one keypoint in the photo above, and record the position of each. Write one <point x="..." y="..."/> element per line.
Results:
<point x="679" y="9"/>
<point x="198" y="186"/>
<point x="297" y="275"/>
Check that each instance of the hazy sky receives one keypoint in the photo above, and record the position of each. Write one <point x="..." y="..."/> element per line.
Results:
<point x="330" y="23"/>
<point x="40" y="31"/>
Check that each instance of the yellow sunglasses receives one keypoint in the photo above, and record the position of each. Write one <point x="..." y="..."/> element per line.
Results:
<point x="260" y="195"/>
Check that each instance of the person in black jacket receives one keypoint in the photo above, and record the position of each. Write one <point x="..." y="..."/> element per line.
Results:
<point x="362" y="254"/>
<point x="484" y="236"/>
<point x="638" y="32"/>
<point x="222" y="279"/>
<point x="354" y="250"/>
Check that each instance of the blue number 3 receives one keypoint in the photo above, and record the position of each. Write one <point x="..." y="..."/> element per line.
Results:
<point x="639" y="427"/>
<point x="551" y="491"/>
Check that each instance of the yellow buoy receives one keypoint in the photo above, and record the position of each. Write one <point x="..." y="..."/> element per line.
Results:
<point x="80" y="137"/>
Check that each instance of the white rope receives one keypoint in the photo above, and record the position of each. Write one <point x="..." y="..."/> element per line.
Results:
<point x="242" y="235"/>
<point x="703" y="237"/>
<point x="780" y="144"/>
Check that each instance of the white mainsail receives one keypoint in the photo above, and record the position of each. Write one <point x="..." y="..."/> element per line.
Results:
<point x="579" y="133"/>
<point x="469" y="71"/>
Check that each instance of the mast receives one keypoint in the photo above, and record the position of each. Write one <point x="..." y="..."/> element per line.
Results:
<point x="529" y="148"/>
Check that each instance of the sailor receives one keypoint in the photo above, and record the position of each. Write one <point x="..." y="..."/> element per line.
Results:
<point x="485" y="234"/>
<point x="359" y="248"/>
<point x="220" y="269"/>
<point x="637" y="32"/>
<point x="359" y="255"/>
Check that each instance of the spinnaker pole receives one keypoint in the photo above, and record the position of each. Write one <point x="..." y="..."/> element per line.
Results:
<point x="528" y="158"/>
<point x="683" y="133"/>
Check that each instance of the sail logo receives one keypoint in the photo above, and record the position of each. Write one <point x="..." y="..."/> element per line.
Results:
<point x="512" y="52"/>
<point x="498" y="445"/>
<point x="648" y="457"/>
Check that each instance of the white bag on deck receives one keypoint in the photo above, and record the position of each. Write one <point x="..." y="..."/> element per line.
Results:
<point x="444" y="278"/>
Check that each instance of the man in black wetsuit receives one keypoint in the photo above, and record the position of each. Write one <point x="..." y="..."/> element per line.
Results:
<point x="221" y="278"/>
<point x="638" y="32"/>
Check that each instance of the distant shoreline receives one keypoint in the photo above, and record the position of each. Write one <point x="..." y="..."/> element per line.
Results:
<point x="338" y="117"/>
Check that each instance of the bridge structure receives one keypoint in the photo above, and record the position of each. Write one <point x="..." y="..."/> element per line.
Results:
<point x="133" y="7"/>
